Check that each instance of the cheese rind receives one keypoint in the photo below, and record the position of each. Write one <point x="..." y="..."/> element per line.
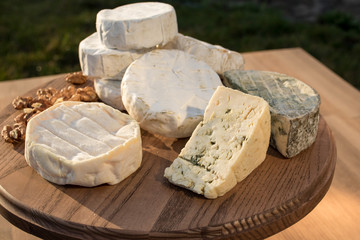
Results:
<point x="218" y="58"/>
<point x="167" y="91"/>
<point x="137" y="26"/>
<point x="294" y="107"/>
<point x="109" y="91"/>
<point x="226" y="146"/>
<point x="99" y="61"/>
<point x="84" y="144"/>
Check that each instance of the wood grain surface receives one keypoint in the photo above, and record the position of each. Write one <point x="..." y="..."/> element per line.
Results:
<point x="145" y="205"/>
<point x="335" y="217"/>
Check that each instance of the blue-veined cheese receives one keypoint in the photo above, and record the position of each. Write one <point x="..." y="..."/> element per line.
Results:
<point x="84" y="144"/>
<point x="98" y="61"/>
<point x="218" y="58"/>
<point x="137" y="26"/>
<point x="109" y="91"/>
<point x="167" y="91"/>
<point x="226" y="146"/>
<point x="294" y="107"/>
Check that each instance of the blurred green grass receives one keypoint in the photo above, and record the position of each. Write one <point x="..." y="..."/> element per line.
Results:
<point x="41" y="37"/>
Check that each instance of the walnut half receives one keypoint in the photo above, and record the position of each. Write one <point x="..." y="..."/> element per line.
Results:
<point x="22" y="102"/>
<point x="14" y="134"/>
<point x="76" y="78"/>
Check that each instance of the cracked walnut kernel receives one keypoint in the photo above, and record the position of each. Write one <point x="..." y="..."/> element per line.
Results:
<point x="13" y="135"/>
<point x="76" y="78"/>
<point x="22" y="102"/>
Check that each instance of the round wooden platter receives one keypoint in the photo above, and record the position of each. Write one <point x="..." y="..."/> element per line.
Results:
<point x="146" y="206"/>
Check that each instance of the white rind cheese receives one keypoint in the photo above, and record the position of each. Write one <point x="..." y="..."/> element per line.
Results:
<point x="109" y="91"/>
<point x="167" y="91"/>
<point x="294" y="107"/>
<point x="226" y="146"/>
<point x="137" y="26"/>
<point x="218" y="58"/>
<point x="84" y="144"/>
<point x="99" y="61"/>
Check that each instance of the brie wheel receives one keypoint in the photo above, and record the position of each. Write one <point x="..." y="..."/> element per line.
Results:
<point x="167" y="91"/>
<point x="136" y="26"/>
<point x="84" y="144"/>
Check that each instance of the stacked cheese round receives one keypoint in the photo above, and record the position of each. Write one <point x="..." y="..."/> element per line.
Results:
<point x="98" y="61"/>
<point x="84" y="144"/>
<point x="136" y="26"/>
<point x="167" y="91"/>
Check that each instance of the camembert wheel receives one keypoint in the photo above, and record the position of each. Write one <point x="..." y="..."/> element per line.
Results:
<point x="84" y="144"/>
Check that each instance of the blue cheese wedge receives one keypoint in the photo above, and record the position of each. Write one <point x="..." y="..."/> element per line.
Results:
<point x="167" y="91"/>
<point x="226" y="146"/>
<point x="84" y="144"/>
<point x="109" y="91"/>
<point x="98" y="61"/>
<point x="294" y="107"/>
<point x="137" y="26"/>
<point x="218" y="58"/>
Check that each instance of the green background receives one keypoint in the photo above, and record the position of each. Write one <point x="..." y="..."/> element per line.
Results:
<point x="41" y="37"/>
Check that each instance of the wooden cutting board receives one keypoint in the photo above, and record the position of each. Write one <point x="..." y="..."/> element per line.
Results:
<point x="145" y="205"/>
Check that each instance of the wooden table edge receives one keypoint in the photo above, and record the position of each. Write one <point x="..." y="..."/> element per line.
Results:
<point x="36" y="222"/>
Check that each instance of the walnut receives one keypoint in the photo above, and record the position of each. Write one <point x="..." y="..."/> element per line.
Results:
<point x="75" y="97"/>
<point x="86" y="94"/>
<point x="5" y="133"/>
<point x="76" y="78"/>
<point x="22" y="127"/>
<point x="12" y="135"/>
<point x="54" y="98"/>
<point x="67" y="92"/>
<point x="26" y="115"/>
<point x="46" y="93"/>
<point x="44" y="99"/>
<point x="41" y="104"/>
<point x="22" y="102"/>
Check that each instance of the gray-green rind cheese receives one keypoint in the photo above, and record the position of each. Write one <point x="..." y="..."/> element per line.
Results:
<point x="294" y="107"/>
<point x="226" y="146"/>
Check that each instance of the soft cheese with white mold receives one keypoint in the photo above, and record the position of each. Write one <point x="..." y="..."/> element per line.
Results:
<point x="167" y="91"/>
<point x="218" y="58"/>
<point x="137" y="25"/>
<point x="98" y="61"/>
<point x="294" y="107"/>
<point x="84" y="144"/>
<point x="226" y="146"/>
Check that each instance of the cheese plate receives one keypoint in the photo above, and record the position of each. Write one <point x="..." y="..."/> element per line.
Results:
<point x="145" y="205"/>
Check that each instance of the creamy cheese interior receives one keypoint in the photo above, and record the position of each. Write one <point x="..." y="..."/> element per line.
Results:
<point x="226" y="146"/>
